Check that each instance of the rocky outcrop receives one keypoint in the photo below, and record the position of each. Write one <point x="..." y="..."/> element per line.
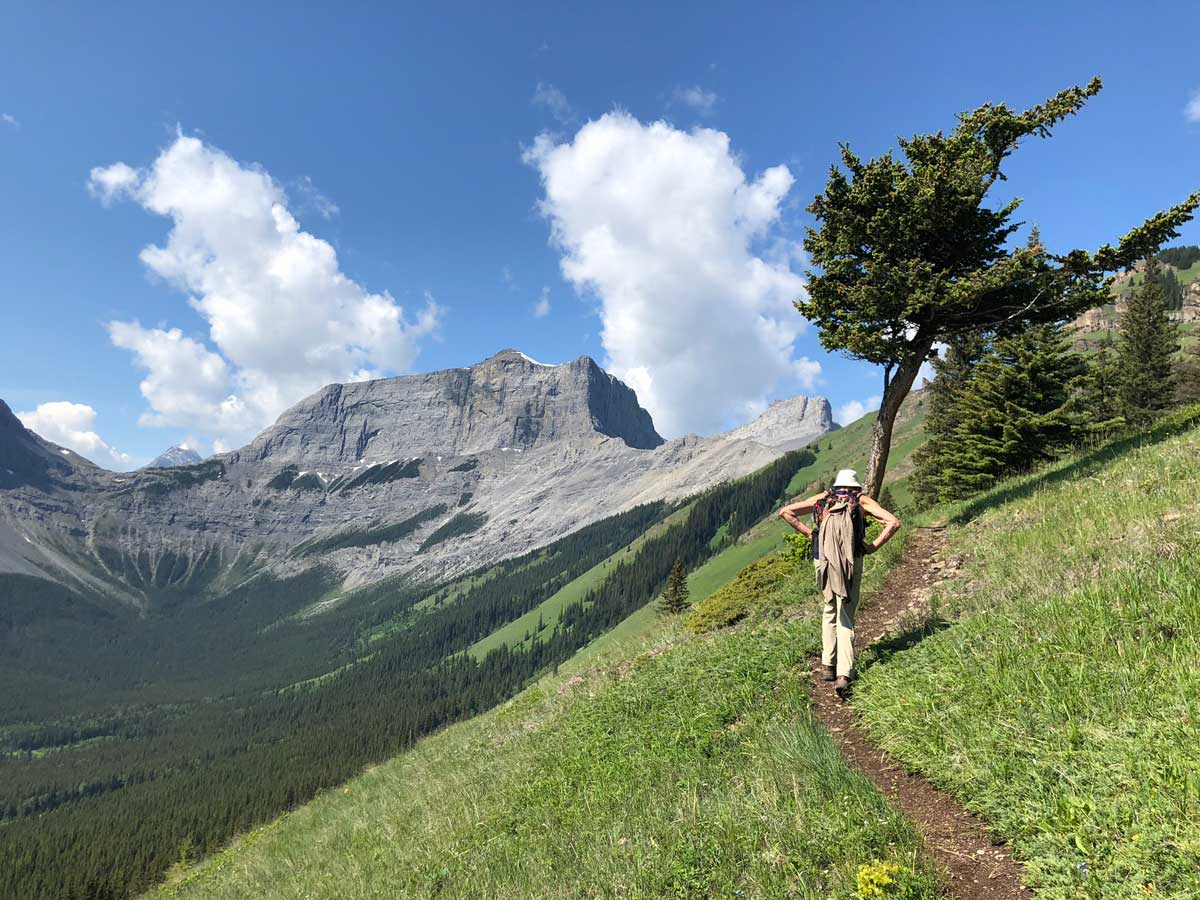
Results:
<point x="356" y="476"/>
<point x="1108" y="316"/>
<point x="1191" y="303"/>
<point x="789" y="424"/>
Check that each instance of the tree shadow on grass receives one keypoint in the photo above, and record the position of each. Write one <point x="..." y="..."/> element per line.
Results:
<point x="890" y="644"/>
<point x="1081" y="466"/>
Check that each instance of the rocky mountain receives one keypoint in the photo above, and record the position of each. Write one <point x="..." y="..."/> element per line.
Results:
<point x="177" y="455"/>
<point x="423" y="475"/>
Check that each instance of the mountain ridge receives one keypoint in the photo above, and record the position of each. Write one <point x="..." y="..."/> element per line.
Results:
<point x="508" y="454"/>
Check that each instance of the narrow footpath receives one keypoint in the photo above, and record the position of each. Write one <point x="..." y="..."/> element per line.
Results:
<point x="976" y="867"/>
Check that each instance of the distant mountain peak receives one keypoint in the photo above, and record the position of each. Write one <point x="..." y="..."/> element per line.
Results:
<point x="516" y="355"/>
<point x="177" y="455"/>
<point x="789" y="424"/>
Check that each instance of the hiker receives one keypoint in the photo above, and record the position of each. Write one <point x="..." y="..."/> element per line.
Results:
<point x="838" y="550"/>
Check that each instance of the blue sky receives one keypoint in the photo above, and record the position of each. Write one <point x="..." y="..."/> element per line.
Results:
<point x="406" y="142"/>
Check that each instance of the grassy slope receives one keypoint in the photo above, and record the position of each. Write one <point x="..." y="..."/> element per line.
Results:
<point x="549" y="610"/>
<point x="688" y="769"/>
<point x="1064" y="705"/>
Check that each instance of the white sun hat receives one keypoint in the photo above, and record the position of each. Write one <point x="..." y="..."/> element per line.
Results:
<point x="846" y="478"/>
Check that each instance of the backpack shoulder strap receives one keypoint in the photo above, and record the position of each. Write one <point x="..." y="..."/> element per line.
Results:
<point x="820" y="506"/>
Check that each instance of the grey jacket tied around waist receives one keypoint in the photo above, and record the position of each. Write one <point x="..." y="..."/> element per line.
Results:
<point x="838" y="564"/>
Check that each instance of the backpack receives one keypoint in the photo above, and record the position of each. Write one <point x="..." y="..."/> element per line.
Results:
<point x="821" y="511"/>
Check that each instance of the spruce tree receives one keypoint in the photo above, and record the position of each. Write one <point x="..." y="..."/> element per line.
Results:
<point x="675" y="597"/>
<point x="1187" y="379"/>
<point x="1099" y="394"/>
<point x="1017" y="407"/>
<point x="1148" y="341"/>
<point x="952" y="370"/>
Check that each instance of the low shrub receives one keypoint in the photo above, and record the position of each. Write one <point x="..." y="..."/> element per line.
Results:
<point x="751" y="590"/>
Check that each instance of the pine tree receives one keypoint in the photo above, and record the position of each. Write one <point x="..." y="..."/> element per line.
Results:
<point x="1148" y="341"/>
<point x="952" y="370"/>
<point x="675" y="597"/>
<point x="886" y="500"/>
<point x="1015" y="407"/>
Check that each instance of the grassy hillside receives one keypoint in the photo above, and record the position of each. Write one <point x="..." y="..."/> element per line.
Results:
<point x="1059" y="698"/>
<point x="1065" y="704"/>
<point x="687" y="768"/>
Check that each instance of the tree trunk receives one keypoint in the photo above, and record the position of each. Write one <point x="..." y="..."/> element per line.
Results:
<point x="894" y="392"/>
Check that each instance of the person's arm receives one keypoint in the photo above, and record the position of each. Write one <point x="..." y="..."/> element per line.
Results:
<point x="793" y="511"/>
<point x="890" y="523"/>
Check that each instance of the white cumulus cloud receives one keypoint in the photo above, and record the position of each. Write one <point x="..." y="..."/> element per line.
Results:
<point x="1191" y="112"/>
<point x="109" y="183"/>
<point x="283" y="319"/>
<point x="661" y="226"/>
<point x="855" y="410"/>
<point x="541" y="309"/>
<point x="696" y="98"/>
<point x="72" y="425"/>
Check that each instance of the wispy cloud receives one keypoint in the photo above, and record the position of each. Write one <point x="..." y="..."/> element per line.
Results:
<point x="506" y="275"/>
<point x="697" y="99"/>
<point x="541" y="309"/>
<point x="311" y="198"/>
<point x="1191" y="112"/>
<point x="555" y="102"/>
<point x="11" y="121"/>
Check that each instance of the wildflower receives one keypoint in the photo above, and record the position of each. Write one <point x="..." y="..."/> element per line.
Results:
<point x="346" y="791"/>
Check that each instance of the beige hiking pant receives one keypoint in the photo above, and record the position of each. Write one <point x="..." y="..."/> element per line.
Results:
<point x="837" y="626"/>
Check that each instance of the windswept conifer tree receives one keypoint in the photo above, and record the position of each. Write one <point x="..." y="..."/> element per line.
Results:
<point x="907" y="254"/>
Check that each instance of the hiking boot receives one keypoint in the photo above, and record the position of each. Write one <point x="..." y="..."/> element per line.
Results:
<point x="841" y="687"/>
<point x="828" y="673"/>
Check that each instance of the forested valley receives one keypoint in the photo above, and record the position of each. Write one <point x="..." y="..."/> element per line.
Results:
<point x="133" y="744"/>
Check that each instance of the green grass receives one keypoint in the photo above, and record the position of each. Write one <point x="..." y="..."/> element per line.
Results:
<point x="687" y="767"/>
<point x="1063" y="704"/>
<point x="549" y="610"/>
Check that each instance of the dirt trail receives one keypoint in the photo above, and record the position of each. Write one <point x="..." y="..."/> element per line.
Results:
<point x="976" y="867"/>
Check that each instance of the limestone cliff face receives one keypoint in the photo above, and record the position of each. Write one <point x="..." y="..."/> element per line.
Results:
<point x="532" y="452"/>
<point x="508" y="401"/>
<point x="789" y="424"/>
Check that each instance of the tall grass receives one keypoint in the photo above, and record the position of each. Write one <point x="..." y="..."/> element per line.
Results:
<point x="1063" y="704"/>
